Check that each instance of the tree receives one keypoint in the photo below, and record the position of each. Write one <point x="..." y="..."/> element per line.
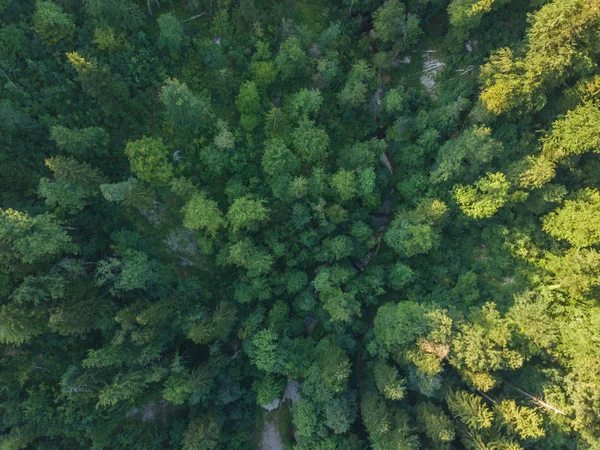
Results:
<point x="83" y="142"/>
<point x="577" y="221"/>
<point x="334" y="364"/>
<point x="202" y="433"/>
<point x="470" y="409"/>
<point x="263" y="351"/>
<point x="248" y="104"/>
<point x="483" y="346"/>
<point x="436" y="425"/>
<point x="268" y="388"/>
<point x="202" y="213"/>
<point x="310" y="142"/>
<point x="462" y="158"/>
<point x="388" y="381"/>
<point x="290" y="59"/>
<point x="485" y="198"/>
<point x="171" y="33"/>
<point x="525" y="421"/>
<point x="246" y="212"/>
<point x="573" y="134"/>
<point x="344" y="183"/>
<point x="31" y="239"/>
<point x="467" y="14"/>
<point x="51" y="23"/>
<point x="148" y="159"/>
<point x="360" y="81"/>
<point x="413" y="232"/>
<point x="393" y="26"/>
<point x="278" y="160"/>
<point x="183" y="108"/>
<point x="100" y="83"/>
<point x="553" y="45"/>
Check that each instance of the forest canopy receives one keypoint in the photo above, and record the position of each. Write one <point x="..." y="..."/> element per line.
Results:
<point x="300" y="224"/>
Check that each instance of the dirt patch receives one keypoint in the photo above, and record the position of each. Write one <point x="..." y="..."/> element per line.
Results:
<point x="271" y="438"/>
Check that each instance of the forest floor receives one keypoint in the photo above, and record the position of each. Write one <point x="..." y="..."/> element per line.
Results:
<point x="271" y="438"/>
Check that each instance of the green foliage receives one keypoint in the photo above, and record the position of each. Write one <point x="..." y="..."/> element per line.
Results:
<point x="268" y="389"/>
<point x="31" y="239"/>
<point x="51" y="23"/>
<point x="577" y="220"/>
<point x="290" y="59"/>
<point x="206" y="202"/>
<point x="310" y="142"/>
<point x="393" y="26"/>
<point x="470" y="410"/>
<point x="148" y="158"/>
<point x="171" y="33"/>
<point x="183" y="108"/>
<point x="81" y="142"/>
<point x="436" y="425"/>
<point x="202" y="213"/>
<point x="485" y="198"/>
<point x="246" y="212"/>
<point x="388" y="381"/>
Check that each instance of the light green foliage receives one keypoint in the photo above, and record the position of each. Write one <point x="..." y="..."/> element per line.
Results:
<point x="358" y="87"/>
<point x="575" y="272"/>
<point x="344" y="183"/>
<point x="415" y="232"/>
<point x="51" y="23"/>
<point x="577" y="221"/>
<point x="574" y="134"/>
<point x="202" y="213"/>
<point x="133" y="271"/>
<point x="30" y="238"/>
<point x="171" y="33"/>
<point x="202" y="433"/>
<point x="400" y="275"/>
<point x="183" y="107"/>
<point x="484" y="346"/>
<point x="264" y="73"/>
<point x="552" y="47"/>
<point x="247" y="212"/>
<point x="246" y="255"/>
<point x="388" y="381"/>
<point x="387" y="428"/>
<point x="463" y="157"/>
<point x="310" y="142"/>
<point x="334" y="364"/>
<point x="341" y="305"/>
<point x="306" y="102"/>
<point x="305" y="417"/>
<point x="393" y="26"/>
<point x="467" y="14"/>
<point x="525" y="421"/>
<point x="470" y="409"/>
<point x="248" y="104"/>
<point x="395" y="101"/>
<point x="149" y="160"/>
<point x="436" y="424"/>
<point x="264" y="351"/>
<point x="106" y="39"/>
<point x="268" y="389"/>
<point x="485" y="198"/>
<point x="224" y="140"/>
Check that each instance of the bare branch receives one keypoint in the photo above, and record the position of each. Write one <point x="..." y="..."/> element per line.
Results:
<point x="195" y="17"/>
